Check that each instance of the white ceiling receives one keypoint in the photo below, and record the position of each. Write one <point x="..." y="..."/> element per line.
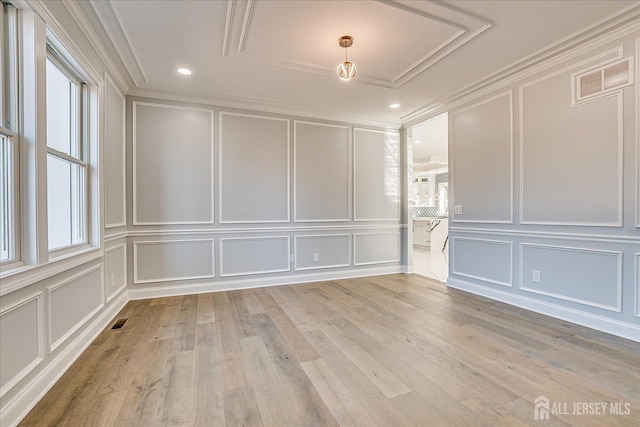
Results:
<point x="283" y="54"/>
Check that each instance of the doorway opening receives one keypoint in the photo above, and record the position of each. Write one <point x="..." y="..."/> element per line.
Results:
<point x="429" y="197"/>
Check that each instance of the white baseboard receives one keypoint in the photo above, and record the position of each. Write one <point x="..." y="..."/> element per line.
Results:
<point x="244" y="283"/>
<point x="12" y="412"/>
<point x="593" y="321"/>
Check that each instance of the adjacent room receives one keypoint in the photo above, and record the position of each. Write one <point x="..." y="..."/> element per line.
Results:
<point x="318" y="213"/>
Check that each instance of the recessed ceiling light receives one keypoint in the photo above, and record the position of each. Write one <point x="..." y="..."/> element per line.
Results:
<point x="394" y="105"/>
<point x="184" y="71"/>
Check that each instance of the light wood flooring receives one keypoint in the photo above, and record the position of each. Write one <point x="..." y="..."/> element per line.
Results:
<point x="394" y="350"/>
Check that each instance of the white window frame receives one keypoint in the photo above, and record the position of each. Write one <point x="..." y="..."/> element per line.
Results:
<point x="81" y="208"/>
<point x="9" y="131"/>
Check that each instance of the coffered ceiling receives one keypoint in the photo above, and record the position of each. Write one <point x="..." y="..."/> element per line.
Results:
<point x="283" y="54"/>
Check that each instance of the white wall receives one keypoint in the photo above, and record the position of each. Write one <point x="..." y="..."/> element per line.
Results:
<point x="224" y="198"/>
<point x="550" y="188"/>
<point x="51" y="311"/>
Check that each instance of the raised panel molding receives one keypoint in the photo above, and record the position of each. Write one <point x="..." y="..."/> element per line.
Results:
<point x="388" y="241"/>
<point x="508" y="94"/>
<point x="221" y="183"/>
<point x="299" y="238"/>
<point x="637" y="283"/>
<point x="111" y="293"/>
<point x="638" y="133"/>
<point x="136" y="261"/>
<point x="51" y="290"/>
<point x="123" y="197"/>
<point x="612" y="54"/>
<point x="29" y="364"/>
<point x="347" y="200"/>
<point x="390" y="178"/>
<point x="259" y="254"/>
<point x="618" y="280"/>
<point x="136" y="220"/>
<point x="455" y="268"/>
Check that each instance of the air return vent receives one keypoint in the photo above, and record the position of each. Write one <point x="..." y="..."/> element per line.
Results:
<point x="601" y="81"/>
<point x="120" y="323"/>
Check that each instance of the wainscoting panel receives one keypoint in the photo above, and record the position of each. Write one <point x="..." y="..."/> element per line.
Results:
<point x="168" y="260"/>
<point x="114" y="155"/>
<point x="482" y="135"/>
<point x="172" y="169"/>
<point x="254" y="255"/>
<point x="571" y="157"/>
<point x="376" y="248"/>
<point x="254" y="169"/>
<point x="376" y="175"/>
<point x="22" y="331"/>
<point x="322" y="251"/>
<point x="481" y="259"/>
<point x="637" y="282"/>
<point x="321" y="172"/>
<point x="586" y="276"/>
<point x="73" y="302"/>
<point x="115" y="270"/>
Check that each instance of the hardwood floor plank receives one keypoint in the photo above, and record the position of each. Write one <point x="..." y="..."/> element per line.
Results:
<point x="395" y="350"/>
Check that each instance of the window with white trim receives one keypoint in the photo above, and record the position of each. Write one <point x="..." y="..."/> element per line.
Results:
<point x="66" y="161"/>
<point x="9" y="137"/>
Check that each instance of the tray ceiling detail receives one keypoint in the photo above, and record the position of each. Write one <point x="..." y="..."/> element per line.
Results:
<point x="394" y="41"/>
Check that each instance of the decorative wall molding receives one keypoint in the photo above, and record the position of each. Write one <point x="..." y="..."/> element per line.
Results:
<point x="258" y="282"/>
<point x="295" y="166"/>
<point x="600" y="323"/>
<point x="110" y="81"/>
<point x="488" y="242"/>
<point x="509" y="94"/>
<point x="613" y="27"/>
<point x="637" y="66"/>
<point x="38" y="298"/>
<point x="123" y="247"/>
<point x="276" y="270"/>
<point x="12" y="411"/>
<point x="305" y="236"/>
<point x="54" y="344"/>
<point x="384" y="261"/>
<point x="134" y="173"/>
<point x="617" y="308"/>
<point x="137" y="280"/>
<point x="637" y="283"/>
<point x="354" y="182"/>
<point x="604" y="238"/>
<point x="220" y="178"/>
<point x="245" y="230"/>
<point x="618" y="53"/>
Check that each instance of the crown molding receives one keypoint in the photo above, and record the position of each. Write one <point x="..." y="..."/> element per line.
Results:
<point x="620" y="24"/>
<point x="88" y="30"/>
<point x="268" y="106"/>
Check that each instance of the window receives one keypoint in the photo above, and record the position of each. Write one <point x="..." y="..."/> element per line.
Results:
<point x="66" y="165"/>
<point x="9" y="138"/>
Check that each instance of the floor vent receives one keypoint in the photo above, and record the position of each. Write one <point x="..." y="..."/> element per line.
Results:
<point x="120" y="323"/>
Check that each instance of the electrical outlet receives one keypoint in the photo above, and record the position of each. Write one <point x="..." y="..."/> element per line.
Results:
<point x="113" y="279"/>
<point x="316" y="256"/>
<point x="292" y="258"/>
<point x="536" y="276"/>
<point x="457" y="209"/>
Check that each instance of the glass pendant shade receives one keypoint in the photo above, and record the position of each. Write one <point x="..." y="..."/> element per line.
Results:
<point x="347" y="70"/>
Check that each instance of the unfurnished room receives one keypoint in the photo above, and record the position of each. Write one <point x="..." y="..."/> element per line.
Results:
<point x="289" y="213"/>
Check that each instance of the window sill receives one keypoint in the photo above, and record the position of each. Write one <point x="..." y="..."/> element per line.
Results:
<point x="26" y="275"/>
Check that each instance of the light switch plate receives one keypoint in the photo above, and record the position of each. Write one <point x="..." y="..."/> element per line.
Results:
<point x="457" y="209"/>
<point x="536" y="276"/>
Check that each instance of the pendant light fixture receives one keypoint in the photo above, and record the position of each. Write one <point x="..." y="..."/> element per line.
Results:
<point x="347" y="70"/>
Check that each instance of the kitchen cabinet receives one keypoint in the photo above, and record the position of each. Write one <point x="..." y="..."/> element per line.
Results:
<point x="422" y="233"/>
